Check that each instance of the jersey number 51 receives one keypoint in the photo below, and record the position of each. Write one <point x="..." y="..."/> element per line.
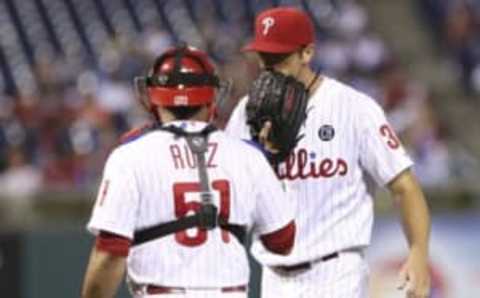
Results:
<point x="182" y="207"/>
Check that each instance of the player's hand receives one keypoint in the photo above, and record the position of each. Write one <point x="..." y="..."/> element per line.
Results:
<point x="263" y="137"/>
<point x="414" y="276"/>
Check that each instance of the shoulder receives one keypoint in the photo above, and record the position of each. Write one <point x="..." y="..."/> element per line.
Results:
<point x="237" y="124"/>
<point x="243" y="148"/>
<point x="240" y="107"/>
<point x="242" y="102"/>
<point x="119" y="157"/>
<point x="351" y="97"/>
<point x="134" y="141"/>
<point x="366" y="112"/>
<point x="135" y="133"/>
<point x="346" y="91"/>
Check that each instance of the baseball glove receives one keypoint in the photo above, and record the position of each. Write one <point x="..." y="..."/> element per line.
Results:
<point x="282" y="100"/>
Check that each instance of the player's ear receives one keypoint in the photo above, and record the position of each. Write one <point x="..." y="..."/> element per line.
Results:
<point x="212" y="111"/>
<point x="307" y="53"/>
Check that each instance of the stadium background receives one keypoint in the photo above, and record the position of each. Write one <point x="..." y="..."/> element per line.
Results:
<point x="66" y="95"/>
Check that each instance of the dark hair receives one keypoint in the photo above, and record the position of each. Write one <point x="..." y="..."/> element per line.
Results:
<point x="184" y="113"/>
<point x="272" y="59"/>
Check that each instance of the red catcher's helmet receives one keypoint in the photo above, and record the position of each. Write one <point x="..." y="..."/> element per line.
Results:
<point x="182" y="76"/>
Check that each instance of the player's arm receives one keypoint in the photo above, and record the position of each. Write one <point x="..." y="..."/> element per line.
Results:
<point x="237" y="124"/>
<point x="113" y="222"/>
<point x="416" y="225"/>
<point x="385" y="159"/>
<point x="104" y="274"/>
<point x="106" y="266"/>
<point x="274" y="216"/>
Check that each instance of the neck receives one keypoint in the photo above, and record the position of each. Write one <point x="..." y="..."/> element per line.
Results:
<point x="310" y="79"/>
<point x="202" y="115"/>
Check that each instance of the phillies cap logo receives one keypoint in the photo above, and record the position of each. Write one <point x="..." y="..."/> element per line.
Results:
<point x="326" y="132"/>
<point x="267" y="23"/>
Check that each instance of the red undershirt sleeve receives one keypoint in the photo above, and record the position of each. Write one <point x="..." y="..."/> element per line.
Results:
<point x="113" y="244"/>
<point x="280" y="241"/>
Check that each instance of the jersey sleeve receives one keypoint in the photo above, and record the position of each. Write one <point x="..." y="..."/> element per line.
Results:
<point x="117" y="200"/>
<point x="274" y="209"/>
<point x="237" y="124"/>
<point x="381" y="152"/>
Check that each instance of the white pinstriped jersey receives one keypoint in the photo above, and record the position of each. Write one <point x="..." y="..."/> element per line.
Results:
<point x="154" y="179"/>
<point x="347" y="143"/>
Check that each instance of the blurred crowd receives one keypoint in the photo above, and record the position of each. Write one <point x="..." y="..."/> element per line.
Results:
<point x="57" y="130"/>
<point x="456" y="25"/>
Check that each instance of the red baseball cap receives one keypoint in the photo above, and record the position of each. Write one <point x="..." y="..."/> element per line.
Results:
<point x="281" y="30"/>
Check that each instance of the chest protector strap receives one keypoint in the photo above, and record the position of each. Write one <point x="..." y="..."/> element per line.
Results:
<point x="207" y="217"/>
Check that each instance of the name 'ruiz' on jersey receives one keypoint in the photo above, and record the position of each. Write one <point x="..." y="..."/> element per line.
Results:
<point x="347" y="145"/>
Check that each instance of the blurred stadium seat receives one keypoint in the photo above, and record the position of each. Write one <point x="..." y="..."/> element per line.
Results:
<point x="455" y="24"/>
<point x="67" y="66"/>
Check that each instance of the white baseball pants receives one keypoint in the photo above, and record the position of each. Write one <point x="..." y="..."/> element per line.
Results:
<point x="343" y="277"/>
<point x="197" y="293"/>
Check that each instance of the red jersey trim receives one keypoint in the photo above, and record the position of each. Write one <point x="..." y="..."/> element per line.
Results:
<point x="135" y="133"/>
<point x="113" y="244"/>
<point x="280" y="241"/>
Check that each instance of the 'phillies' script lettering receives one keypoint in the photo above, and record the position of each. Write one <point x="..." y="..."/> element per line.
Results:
<point x="301" y="165"/>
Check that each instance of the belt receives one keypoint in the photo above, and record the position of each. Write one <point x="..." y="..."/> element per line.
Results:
<point x="305" y="265"/>
<point x="152" y="289"/>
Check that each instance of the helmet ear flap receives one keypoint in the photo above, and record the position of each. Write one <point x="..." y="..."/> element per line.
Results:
<point x="212" y="112"/>
<point x="140" y="87"/>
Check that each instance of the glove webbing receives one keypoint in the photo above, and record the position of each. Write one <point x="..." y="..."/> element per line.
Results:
<point x="207" y="217"/>
<point x="276" y="158"/>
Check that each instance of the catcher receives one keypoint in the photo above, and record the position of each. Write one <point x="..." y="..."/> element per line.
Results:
<point x="174" y="207"/>
<point x="330" y="144"/>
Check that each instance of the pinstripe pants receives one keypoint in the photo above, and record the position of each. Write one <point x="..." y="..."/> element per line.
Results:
<point x="197" y="294"/>
<point x="343" y="277"/>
